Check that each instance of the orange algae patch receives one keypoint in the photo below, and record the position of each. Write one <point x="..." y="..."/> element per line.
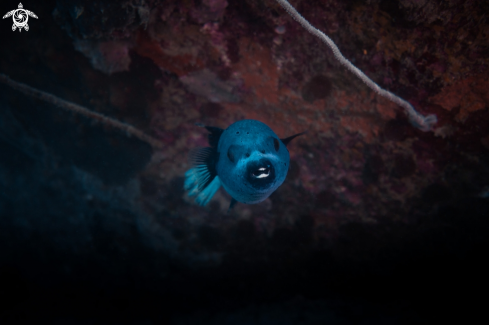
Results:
<point x="280" y="108"/>
<point x="470" y="95"/>
<point x="258" y="71"/>
<point x="362" y="125"/>
<point x="470" y="103"/>
<point x="286" y="112"/>
<point x="386" y="109"/>
<point x="180" y="64"/>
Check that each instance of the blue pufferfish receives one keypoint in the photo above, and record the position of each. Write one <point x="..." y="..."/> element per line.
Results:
<point x="248" y="159"/>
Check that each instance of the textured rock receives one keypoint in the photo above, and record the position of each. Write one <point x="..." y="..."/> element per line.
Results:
<point x="372" y="213"/>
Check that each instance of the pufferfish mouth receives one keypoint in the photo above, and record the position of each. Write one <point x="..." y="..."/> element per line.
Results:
<point x="260" y="174"/>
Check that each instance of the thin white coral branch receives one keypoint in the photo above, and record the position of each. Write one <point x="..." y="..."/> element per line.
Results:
<point x="424" y="123"/>
<point x="49" y="98"/>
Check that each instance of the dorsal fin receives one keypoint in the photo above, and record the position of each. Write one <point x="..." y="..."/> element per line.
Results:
<point x="286" y="141"/>
<point x="214" y="135"/>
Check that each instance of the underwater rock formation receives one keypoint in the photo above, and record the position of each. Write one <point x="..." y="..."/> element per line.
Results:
<point x="372" y="210"/>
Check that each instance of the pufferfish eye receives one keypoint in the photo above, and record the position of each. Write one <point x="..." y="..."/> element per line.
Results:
<point x="231" y="155"/>
<point x="276" y="144"/>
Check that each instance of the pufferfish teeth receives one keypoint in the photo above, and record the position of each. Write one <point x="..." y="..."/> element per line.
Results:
<point x="262" y="172"/>
<point x="263" y="175"/>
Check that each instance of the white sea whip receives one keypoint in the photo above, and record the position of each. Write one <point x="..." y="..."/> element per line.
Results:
<point x="424" y="123"/>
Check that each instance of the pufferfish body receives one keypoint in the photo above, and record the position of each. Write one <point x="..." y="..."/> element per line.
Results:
<point x="248" y="159"/>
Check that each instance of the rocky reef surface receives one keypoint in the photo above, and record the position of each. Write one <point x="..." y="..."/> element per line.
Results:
<point x="376" y="223"/>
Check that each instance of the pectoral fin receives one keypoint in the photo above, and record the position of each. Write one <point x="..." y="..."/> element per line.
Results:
<point x="286" y="141"/>
<point x="202" y="180"/>
<point x="231" y="205"/>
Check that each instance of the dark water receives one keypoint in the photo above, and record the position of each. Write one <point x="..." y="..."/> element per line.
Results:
<point x="387" y="227"/>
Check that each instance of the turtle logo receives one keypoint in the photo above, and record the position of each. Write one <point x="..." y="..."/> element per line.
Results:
<point x="20" y="17"/>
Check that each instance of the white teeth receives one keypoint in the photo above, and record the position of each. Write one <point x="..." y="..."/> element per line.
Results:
<point x="263" y="175"/>
<point x="260" y="169"/>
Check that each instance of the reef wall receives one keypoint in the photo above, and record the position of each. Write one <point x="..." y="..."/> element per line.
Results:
<point x="372" y="209"/>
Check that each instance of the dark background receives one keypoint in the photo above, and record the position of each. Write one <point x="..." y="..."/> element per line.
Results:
<point x="95" y="227"/>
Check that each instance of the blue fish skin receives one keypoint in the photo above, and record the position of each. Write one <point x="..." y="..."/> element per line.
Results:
<point x="251" y="145"/>
<point x="248" y="159"/>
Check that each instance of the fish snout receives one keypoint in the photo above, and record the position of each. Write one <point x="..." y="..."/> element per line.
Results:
<point x="260" y="174"/>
